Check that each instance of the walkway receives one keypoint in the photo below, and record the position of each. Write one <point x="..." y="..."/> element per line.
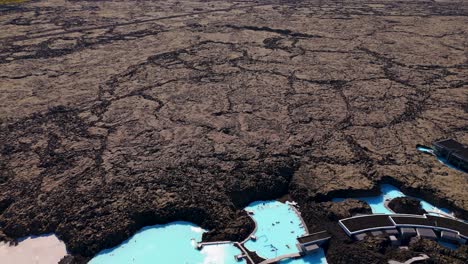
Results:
<point x="279" y="258"/>
<point x="411" y="260"/>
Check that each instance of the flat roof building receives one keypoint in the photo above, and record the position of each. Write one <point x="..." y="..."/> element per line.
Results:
<point x="454" y="152"/>
<point x="460" y="159"/>
<point x="315" y="238"/>
<point x="310" y="243"/>
<point x="360" y="226"/>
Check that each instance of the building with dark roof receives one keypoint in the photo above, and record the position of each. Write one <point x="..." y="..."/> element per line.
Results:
<point x="460" y="159"/>
<point x="361" y="226"/>
<point x="453" y="152"/>
<point x="310" y="243"/>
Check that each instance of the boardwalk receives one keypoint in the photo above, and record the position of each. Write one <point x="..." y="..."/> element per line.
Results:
<point x="246" y="254"/>
<point x="409" y="261"/>
<point x="277" y="259"/>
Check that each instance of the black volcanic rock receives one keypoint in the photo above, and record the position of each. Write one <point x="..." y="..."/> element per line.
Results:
<point x="439" y="254"/>
<point x="235" y="230"/>
<point x="346" y="208"/>
<point x="406" y="205"/>
<point x="112" y="119"/>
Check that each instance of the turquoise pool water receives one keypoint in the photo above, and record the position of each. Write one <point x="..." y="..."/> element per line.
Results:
<point x="425" y="149"/>
<point x="278" y="226"/>
<point x="316" y="258"/>
<point x="389" y="192"/>
<point x="171" y="243"/>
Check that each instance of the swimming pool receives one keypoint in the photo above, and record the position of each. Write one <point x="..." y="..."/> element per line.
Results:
<point x="377" y="203"/>
<point x="278" y="226"/>
<point x="170" y="243"/>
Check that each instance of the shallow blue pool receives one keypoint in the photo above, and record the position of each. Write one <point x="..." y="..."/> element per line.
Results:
<point x="171" y="243"/>
<point x="316" y="258"/>
<point x="278" y="227"/>
<point x="377" y="203"/>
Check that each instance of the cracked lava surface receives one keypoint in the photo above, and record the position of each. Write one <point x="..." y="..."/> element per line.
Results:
<point x="119" y="114"/>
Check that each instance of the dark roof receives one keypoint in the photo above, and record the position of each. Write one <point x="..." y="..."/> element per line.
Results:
<point x="313" y="237"/>
<point x="444" y="222"/>
<point x="461" y="154"/>
<point x="449" y="144"/>
<point x="364" y="222"/>
<point x="405" y="220"/>
<point x="361" y="223"/>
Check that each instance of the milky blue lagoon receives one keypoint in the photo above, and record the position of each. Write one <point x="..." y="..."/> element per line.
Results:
<point x="377" y="203"/>
<point x="171" y="243"/>
<point x="278" y="226"/>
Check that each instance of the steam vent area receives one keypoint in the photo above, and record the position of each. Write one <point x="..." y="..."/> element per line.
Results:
<point x="233" y="131"/>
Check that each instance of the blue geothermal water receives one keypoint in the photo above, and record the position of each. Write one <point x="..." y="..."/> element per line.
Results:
<point x="377" y="203"/>
<point x="170" y="243"/>
<point x="278" y="226"/>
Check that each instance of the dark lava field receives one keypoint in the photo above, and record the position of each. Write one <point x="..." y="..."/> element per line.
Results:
<point x="119" y="114"/>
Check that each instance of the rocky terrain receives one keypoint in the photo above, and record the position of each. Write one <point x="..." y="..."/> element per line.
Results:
<point x="406" y="205"/>
<point x="119" y="114"/>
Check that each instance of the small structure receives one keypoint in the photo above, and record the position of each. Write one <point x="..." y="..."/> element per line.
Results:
<point x="407" y="232"/>
<point x="311" y="248"/>
<point x="460" y="159"/>
<point x="426" y="233"/>
<point x="310" y="243"/>
<point x="253" y="237"/>
<point x="450" y="237"/>
<point x="239" y="257"/>
<point x="454" y="152"/>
